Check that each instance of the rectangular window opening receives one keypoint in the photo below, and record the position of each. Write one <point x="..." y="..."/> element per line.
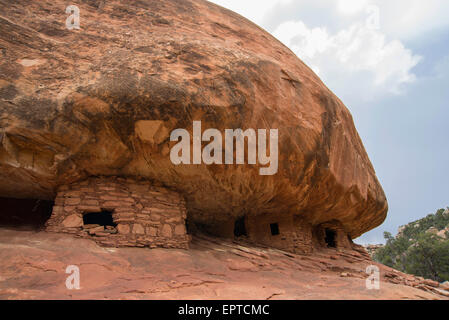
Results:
<point x="103" y="218"/>
<point x="274" y="229"/>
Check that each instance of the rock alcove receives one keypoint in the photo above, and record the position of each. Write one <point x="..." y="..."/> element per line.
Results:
<point x="75" y="120"/>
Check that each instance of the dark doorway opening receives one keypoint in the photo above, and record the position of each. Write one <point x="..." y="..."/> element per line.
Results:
<point x="24" y="214"/>
<point x="274" y="229"/>
<point x="103" y="218"/>
<point x="239" y="227"/>
<point x="330" y="238"/>
<point x="190" y="227"/>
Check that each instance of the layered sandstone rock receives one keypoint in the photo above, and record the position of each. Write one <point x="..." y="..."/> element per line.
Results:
<point x="103" y="100"/>
<point x="211" y="269"/>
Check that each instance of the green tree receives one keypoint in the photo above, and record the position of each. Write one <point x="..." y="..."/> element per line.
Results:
<point x="428" y="258"/>
<point x="418" y="251"/>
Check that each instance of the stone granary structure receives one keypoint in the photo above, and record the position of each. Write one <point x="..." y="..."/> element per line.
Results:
<point x="86" y="117"/>
<point x="121" y="212"/>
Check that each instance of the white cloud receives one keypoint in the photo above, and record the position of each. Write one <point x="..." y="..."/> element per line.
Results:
<point x="407" y="19"/>
<point x="254" y="10"/>
<point x="357" y="57"/>
<point x="401" y="19"/>
<point x="356" y="53"/>
<point x="350" y="6"/>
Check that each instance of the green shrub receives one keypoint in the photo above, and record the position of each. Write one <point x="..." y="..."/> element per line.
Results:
<point x="417" y="251"/>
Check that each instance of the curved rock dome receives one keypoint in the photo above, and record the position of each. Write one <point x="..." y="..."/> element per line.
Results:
<point x="102" y="101"/>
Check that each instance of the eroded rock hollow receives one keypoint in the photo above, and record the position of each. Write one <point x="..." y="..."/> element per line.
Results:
<point x="101" y="101"/>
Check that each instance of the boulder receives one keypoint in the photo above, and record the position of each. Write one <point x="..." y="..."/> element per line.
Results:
<point x="102" y="100"/>
<point x="442" y="233"/>
<point x="96" y="230"/>
<point x="445" y="285"/>
<point x="73" y="221"/>
<point x="138" y="229"/>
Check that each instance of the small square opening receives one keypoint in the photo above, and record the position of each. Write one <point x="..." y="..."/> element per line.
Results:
<point x="239" y="227"/>
<point x="274" y="227"/>
<point x="330" y="238"/>
<point x="103" y="218"/>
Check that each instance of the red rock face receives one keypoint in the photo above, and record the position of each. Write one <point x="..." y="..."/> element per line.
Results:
<point x="103" y="100"/>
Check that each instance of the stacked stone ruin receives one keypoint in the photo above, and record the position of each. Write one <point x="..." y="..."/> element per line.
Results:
<point x="143" y="215"/>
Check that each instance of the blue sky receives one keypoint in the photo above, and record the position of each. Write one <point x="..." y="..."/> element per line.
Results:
<point x="389" y="63"/>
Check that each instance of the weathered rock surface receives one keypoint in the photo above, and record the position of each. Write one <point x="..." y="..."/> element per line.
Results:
<point x="103" y="100"/>
<point x="33" y="265"/>
<point x="372" y="248"/>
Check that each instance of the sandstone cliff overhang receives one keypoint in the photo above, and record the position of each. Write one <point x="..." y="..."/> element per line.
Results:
<point x="72" y="104"/>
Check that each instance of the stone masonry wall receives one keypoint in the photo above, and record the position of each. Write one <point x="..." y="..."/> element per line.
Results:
<point x="341" y="237"/>
<point x="295" y="235"/>
<point x="144" y="215"/>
